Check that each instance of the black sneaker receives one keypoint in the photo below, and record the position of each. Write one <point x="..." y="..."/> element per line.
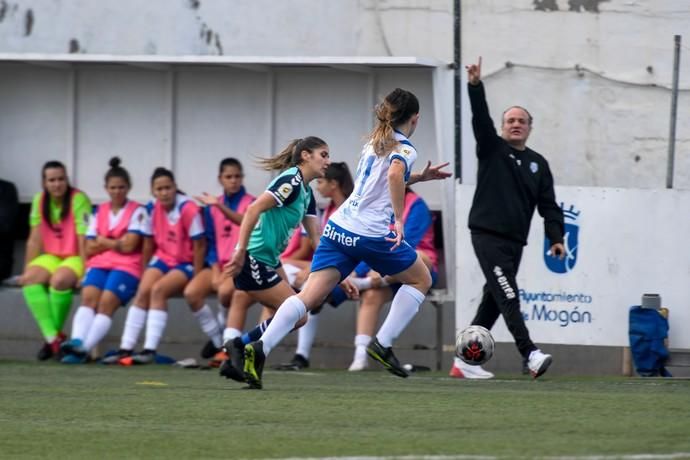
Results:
<point x="233" y="367"/>
<point x="45" y="353"/>
<point x="209" y="350"/>
<point x="386" y="357"/>
<point x="298" y="363"/>
<point x="254" y="359"/>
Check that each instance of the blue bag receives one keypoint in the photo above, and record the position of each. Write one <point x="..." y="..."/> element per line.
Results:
<point x="647" y="329"/>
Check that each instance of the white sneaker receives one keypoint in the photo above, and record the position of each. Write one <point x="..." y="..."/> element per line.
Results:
<point x="462" y="370"/>
<point x="358" y="364"/>
<point x="538" y="363"/>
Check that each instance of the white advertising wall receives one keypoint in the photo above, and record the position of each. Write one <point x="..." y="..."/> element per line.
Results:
<point x="620" y="244"/>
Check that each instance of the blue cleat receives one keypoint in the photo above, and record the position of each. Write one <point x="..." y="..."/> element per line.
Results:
<point x="74" y="359"/>
<point x="69" y="347"/>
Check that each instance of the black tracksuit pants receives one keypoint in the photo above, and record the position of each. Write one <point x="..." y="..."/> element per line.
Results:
<point x="499" y="259"/>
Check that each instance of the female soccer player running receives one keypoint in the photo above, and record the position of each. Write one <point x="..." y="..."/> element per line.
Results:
<point x="114" y="265"/>
<point x="267" y="228"/>
<point x="359" y="231"/>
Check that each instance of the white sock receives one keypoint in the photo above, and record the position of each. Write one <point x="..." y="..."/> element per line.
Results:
<point x="361" y="342"/>
<point x="403" y="308"/>
<point x="306" y="335"/>
<point x="136" y="319"/>
<point x="291" y="311"/>
<point x="361" y="283"/>
<point x="222" y="315"/>
<point x="82" y="322"/>
<point x="99" y="328"/>
<point x="209" y="325"/>
<point x="155" y="325"/>
<point x="230" y="333"/>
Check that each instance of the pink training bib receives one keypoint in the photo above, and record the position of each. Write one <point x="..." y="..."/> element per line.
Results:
<point x="227" y="232"/>
<point x="110" y="259"/>
<point x="59" y="239"/>
<point x="174" y="245"/>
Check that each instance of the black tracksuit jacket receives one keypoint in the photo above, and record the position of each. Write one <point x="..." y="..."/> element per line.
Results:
<point x="510" y="183"/>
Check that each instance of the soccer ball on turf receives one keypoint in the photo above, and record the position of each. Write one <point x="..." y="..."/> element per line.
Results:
<point x="474" y="345"/>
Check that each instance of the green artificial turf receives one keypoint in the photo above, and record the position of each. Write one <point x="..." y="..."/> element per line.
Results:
<point x="93" y="411"/>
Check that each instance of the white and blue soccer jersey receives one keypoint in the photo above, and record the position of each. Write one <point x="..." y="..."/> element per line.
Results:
<point x="368" y="210"/>
<point x="357" y="231"/>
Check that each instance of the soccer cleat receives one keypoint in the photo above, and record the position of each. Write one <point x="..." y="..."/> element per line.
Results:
<point x="116" y="357"/>
<point x="73" y="352"/>
<point x="358" y="364"/>
<point x="298" y="363"/>
<point x="462" y="370"/>
<point x="386" y="357"/>
<point x="254" y="359"/>
<point x="55" y="346"/>
<point x="233" y="367"/>
<point x="209" y="350"/>
<point x="218" y="359"/>
<point x="45" y="352"/>
<point x="538" y="363"/>
<point x="73" y="347"/>
<point x="73" y="358"/>
<point x="145" y="357"/>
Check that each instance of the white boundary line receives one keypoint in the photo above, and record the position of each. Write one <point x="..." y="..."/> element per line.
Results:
<point x="672" y="456"/>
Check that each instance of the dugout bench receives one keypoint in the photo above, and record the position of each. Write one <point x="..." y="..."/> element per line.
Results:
<point x="437" y="297"/>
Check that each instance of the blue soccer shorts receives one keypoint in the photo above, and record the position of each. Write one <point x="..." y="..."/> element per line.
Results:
<point x="186" y="268"/>
<point x="122" y="284"/>
<point x="343" y="250"/>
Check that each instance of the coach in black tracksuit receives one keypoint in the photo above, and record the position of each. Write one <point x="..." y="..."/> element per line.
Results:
<point x="512" y="180"/>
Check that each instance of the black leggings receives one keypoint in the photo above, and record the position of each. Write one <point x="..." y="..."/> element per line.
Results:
<point x="499" y="260"/>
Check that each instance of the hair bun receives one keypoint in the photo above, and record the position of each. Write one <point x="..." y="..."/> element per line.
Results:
<point x="115" y="162"/>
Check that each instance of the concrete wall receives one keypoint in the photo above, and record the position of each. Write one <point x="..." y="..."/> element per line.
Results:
<point x="606" y="124"/>
<point x="238" y="27"/>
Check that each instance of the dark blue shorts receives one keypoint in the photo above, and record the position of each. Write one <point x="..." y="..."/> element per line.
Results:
<point x="122" y="284"/>
<point x="256" y="275"/>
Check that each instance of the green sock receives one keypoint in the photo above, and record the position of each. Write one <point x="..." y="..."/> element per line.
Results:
<point x="36" y="296"/>
<point x="60" y="302"/>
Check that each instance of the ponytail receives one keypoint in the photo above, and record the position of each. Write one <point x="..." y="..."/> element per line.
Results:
<point x="291" y="155"/>
<point x="394" y="110"/>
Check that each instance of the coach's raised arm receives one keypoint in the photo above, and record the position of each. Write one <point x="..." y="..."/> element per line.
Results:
<point x="482" y="125"/>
